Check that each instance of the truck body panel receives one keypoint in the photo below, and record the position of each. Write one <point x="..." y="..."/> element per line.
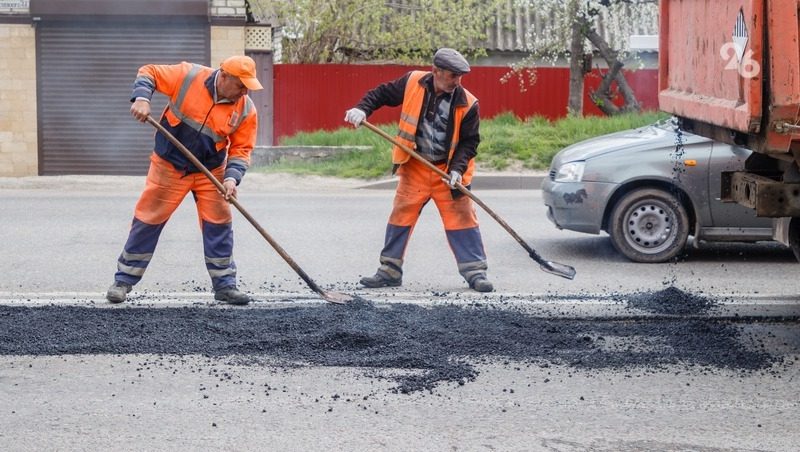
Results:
<point x="732" y="68"/>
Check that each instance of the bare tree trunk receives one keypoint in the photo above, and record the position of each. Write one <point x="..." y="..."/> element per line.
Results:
<point x="575" y="99"/>
<point x="602" y="97"/>
<point x="575" y="102"/>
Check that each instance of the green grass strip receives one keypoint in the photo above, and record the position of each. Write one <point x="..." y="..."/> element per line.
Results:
<point x="507" y="142"/>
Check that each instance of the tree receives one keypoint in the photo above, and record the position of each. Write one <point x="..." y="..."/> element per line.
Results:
<point x="403" y="31"/>
<point x="576" y="22"/>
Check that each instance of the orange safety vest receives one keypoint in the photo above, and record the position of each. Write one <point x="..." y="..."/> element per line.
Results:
<point x="228" y="129"/>
<point x="409" y="119"/>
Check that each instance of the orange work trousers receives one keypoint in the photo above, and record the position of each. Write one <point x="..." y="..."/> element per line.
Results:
<point x="417" y="185"/>
<point x="165" y="189"/>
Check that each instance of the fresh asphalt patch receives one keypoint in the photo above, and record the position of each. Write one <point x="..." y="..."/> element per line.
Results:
<point x="415" y="346"/>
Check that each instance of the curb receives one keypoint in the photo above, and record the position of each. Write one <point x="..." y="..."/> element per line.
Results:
<point x="267" y="155"/>
<point x="256" y="181"/>
<point x="479" y="182"/>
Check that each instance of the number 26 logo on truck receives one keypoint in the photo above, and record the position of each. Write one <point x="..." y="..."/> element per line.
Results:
<point x="734" y="52"/>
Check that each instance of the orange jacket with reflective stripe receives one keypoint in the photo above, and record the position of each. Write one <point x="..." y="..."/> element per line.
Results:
<point x="413" y="98"/>
<point x="213" y="129"/>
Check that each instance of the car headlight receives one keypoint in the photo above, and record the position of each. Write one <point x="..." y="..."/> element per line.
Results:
<point x="570" y="172"/>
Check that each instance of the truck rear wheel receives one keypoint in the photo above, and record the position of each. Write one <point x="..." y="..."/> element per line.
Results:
<point x="649" y="225"/>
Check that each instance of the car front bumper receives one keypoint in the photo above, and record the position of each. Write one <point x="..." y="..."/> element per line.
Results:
<point x="577" y="206"/>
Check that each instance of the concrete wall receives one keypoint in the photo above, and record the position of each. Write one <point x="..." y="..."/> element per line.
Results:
<point x="18" y="132"/>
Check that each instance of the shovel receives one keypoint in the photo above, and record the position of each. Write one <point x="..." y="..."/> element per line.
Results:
<point x="331" y="297"/>
<point x="563" y="270"/>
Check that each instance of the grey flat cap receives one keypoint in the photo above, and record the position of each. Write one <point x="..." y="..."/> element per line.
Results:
<point x="450" y="59"/>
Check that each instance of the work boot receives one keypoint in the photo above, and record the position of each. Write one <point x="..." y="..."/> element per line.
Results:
<point x="232" y="295"/>
<point x="481" y="284"/>
<point x="118" y="292"/>
<point x="380" y="280"/>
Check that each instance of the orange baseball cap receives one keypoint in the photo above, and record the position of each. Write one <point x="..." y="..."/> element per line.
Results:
<point x="244" y="68"/>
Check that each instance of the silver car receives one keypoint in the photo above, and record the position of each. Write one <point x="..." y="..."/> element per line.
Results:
<point x="648" y="194"/>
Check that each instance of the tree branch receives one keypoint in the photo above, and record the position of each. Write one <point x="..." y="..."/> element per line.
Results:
<point x="614" y="73"/>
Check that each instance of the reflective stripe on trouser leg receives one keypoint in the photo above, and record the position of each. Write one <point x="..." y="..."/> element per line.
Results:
<point x="216" y="224"/>
<point x="394" y="247"/>
<point x="467" y="246"/>
<point x="413" y="192"/>
<point x="164" y="190"/>
<point x="218" y="246"/>
<point x="463" y="234"/>
<point x="138" y="251"/>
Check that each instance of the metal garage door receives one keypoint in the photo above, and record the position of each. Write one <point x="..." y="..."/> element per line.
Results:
<point x="85" y="74"/>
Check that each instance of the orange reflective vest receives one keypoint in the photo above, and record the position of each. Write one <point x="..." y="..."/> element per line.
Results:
<point x="212" y="129"/>
<point x="413" y="98"/>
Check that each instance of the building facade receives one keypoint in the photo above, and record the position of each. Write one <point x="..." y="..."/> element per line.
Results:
<point x="68" y="65"/>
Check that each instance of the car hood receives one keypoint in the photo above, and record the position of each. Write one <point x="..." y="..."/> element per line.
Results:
<point x="660" y="135"/>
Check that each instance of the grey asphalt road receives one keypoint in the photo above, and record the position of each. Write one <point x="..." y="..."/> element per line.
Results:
<point x="191" y="403"/>
<point x="65" y="238"/>
<point x="61" y="239"/>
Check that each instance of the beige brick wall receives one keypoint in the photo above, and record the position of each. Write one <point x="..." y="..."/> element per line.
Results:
<point x="225" y="42"/>
<point x="18" y="143"/>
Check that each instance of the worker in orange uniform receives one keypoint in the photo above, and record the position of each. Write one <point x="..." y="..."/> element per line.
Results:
<point x="210" y="112"/>
<point x="440" y="120"/>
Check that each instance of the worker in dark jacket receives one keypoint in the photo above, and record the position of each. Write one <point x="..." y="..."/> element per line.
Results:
<point x="210" y="112"/>
<point x="440" y="120"/>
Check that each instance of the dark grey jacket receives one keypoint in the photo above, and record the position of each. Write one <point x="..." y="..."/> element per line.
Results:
<point x="391" y="94"/>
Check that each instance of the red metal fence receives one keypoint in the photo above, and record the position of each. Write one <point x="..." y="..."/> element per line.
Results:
<point x="312" y="97"/>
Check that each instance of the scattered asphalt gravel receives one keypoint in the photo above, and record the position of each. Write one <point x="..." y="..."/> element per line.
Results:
<point x="417" y="347"/>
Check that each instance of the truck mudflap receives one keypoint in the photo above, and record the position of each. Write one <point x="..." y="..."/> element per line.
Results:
<point x="780" y="230"/>
<point x="787" y="231"/>
<point x="769" y="197"/>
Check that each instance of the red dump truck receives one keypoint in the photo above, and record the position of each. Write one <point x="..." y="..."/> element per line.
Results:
<point x="730" y="70"/>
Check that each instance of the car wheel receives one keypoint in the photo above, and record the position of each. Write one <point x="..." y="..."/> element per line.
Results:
<point x="649" y="225"/>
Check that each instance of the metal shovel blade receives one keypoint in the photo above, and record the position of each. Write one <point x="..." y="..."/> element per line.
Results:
<point x="336" y="297"/>
<point x="562" y="270"/>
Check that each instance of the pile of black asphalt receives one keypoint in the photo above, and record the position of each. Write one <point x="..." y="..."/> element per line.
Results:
<point x="671" y="301"/>
<point x="429" y="344"/>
